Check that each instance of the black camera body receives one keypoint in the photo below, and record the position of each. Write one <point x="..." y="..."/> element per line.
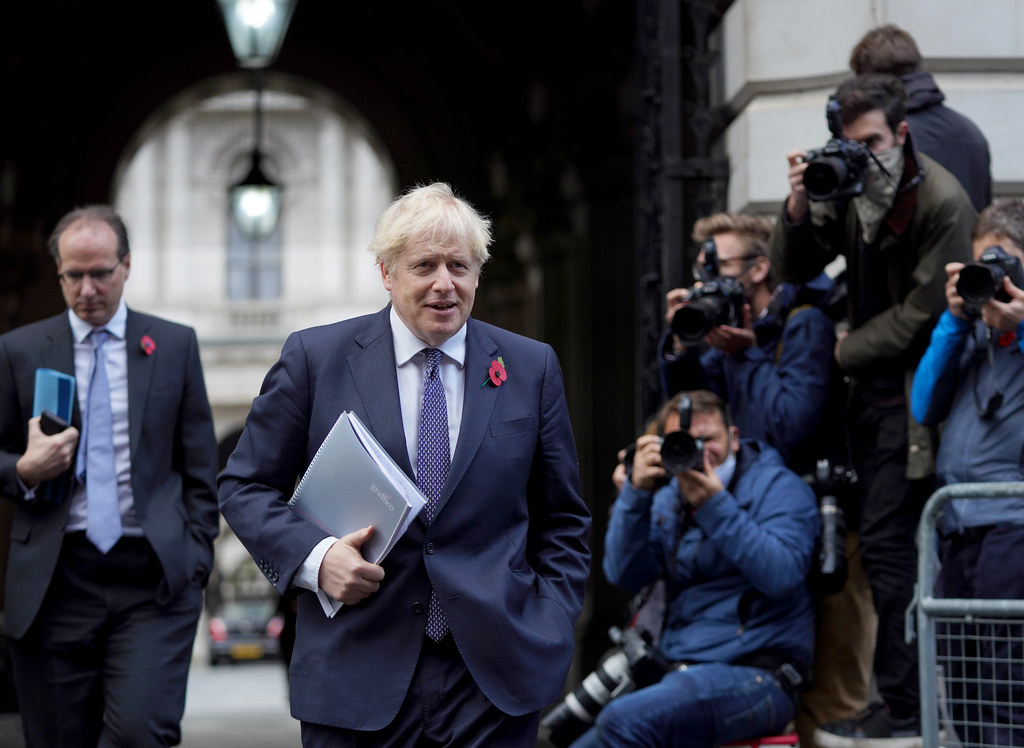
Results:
<point x="717" y="302"/>
<point x="836" y="171"/>
<point x="830" y="483"/>
<point x="679" y="452"/>
<point x="983" y="280"/>
<point x="633" y="664"/>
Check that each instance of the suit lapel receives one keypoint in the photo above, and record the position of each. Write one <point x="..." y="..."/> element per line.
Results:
<point x="59" y="354"/>
<point x="376" y="381"/>
<point x="140" y="375"/>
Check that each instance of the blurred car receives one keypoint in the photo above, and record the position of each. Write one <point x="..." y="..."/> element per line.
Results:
<point x="246" y="630"/>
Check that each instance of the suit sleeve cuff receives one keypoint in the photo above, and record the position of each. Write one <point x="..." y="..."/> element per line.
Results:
<point x="308" y="577"/>
<point x="27" y="493"/>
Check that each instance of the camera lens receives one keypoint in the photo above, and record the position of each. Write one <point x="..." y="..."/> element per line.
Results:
<point x="580" y="708"/>
<point x="978" y="283"/>
<point x="824" y="176"/>
<point x="681" y="452"/>
<point x="695" y="320"/>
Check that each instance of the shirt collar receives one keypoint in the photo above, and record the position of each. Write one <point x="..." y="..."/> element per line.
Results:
<point x="408" y="345"/>
<point x="80" y="329"/>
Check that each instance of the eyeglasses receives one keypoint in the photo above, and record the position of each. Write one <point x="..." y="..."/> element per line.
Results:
<point x="99" y="277"/>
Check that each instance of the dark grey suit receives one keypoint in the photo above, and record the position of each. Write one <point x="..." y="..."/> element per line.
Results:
<point x="173" y="469"/>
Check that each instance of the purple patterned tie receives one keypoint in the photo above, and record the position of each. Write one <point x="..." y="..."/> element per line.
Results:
<point x="432" y="459"/>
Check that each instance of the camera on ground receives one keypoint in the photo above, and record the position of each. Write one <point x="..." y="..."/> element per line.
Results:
<point x="633" y="664"/>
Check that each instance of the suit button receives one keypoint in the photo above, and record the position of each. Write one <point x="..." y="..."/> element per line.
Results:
<point x="430" y="548"/>
<point x="417" y="608"/>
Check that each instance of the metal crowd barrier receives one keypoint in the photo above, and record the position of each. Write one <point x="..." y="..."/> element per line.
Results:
<point x="959" y="708"/>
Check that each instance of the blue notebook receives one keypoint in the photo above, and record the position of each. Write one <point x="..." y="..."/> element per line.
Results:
<point x="55" y="392"/>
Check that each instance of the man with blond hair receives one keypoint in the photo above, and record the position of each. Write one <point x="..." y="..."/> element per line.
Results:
<point x="465" y="631"/>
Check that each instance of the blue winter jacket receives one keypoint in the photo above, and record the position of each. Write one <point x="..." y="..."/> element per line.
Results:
<point x="953" y="378"/>
<point x="736" y="584"/>
<point x="783" y="389"/>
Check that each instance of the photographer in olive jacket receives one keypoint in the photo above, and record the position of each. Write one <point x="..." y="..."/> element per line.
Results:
<point x="733" y="538"/>
<point x="898" y="221"/>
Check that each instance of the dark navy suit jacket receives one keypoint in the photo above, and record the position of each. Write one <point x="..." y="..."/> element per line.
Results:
<point x="506" y="552"/>
<point x="173" y="457"/>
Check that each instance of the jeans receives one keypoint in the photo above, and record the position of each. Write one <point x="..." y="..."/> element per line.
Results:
<point x="702" y="706"/>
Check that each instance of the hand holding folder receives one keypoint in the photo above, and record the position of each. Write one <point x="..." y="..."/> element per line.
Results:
<point x="353" y="482"/>
<point x="52" y="400"/>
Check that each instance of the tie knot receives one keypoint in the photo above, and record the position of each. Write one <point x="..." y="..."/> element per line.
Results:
<point x="99" y="337"/>
<point x="432" y="358"/>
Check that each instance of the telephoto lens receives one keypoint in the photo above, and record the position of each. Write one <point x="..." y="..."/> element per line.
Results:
<point x="833" y="532"/>
<point x="635" y="663"/>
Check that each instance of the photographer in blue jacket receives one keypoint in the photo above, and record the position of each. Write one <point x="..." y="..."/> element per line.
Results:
<point x="972" y="375"/>
<point x="731" y="532"/>
<point x="763" y="347"/>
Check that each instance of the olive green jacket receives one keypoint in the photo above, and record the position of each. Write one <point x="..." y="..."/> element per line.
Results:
<point x="929" y="225"/>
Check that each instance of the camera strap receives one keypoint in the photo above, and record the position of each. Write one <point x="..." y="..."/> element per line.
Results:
<point x="995" y="400"/>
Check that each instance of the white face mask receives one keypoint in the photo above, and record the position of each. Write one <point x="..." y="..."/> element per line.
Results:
<point x="726" y="469"/>
<point x="881" y="180"/>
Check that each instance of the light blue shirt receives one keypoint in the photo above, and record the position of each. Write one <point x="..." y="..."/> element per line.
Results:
<point x="115" y="358"/>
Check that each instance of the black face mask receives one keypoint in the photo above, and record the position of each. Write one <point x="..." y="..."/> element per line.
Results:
<point x="711" y="268"/>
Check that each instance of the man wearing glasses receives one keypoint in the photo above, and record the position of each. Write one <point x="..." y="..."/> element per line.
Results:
<point x="774" y="369"/>
<point x="112" y="537"/>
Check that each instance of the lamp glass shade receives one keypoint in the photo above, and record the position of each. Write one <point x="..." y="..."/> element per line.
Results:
<point x="256" y="28"/>
<point x="256" y="203"/>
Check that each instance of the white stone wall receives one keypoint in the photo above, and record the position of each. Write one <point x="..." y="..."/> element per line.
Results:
<point x="782" y="58"/>
<point x="173" y="196"/>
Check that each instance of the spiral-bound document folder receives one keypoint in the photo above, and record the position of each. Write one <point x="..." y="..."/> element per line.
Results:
<point x="353" y="482"/>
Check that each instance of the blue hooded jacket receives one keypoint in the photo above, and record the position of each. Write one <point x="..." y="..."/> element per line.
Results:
<point x="736" y="568"/>
<point x="782" y="390"/>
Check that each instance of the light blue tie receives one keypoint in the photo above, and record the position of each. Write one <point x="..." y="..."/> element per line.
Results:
<point x="96" y="454"/>
<point x="432" y="458"/>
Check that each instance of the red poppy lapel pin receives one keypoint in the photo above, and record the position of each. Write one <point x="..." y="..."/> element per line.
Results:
<point x="496" y="374"/>
<point x="148" y="345"/>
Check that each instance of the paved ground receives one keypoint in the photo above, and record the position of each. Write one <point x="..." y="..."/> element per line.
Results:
<point x="230" y="706"/>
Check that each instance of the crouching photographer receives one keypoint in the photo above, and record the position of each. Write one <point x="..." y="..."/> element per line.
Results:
<point x="732" y="538"/>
